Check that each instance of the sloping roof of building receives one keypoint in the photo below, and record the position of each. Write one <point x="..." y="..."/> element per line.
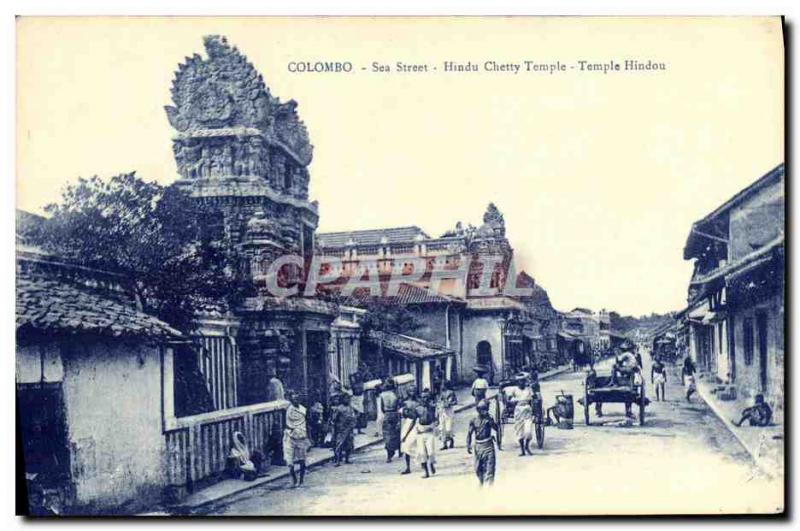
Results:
<point x="762" y="254"/>
<point x="54" y="305"/>
<point x="410" y="347"/>
<point x="407" y="295"/>
<point x="288" y="304"/>
<point x="370" y="236"/>
<point x="410" y="294"/>
<point x="695" y="239"/>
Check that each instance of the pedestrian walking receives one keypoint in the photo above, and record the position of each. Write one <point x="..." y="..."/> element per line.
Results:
<point x="446" y="413"/>
<point x="275" y="389"/>
<point x="426" y="434"/>
<point x="658" y="377"/>
<point x="481" y="428"/>
<point x="522" y="397"/>
<point x="342" y="424"/>
<point x="357" y="403"/>
<point x="295" y="439"/>
<point x="437" y="380"/>
<point x="388" y="408"/>
<point x="687" y="376"/>
<point x="408" y="441"/>
<point x="378" y="411"/>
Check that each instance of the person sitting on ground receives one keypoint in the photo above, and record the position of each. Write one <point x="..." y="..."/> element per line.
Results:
<point x="241" y="464"/>
<point x="759" y="415"/>
<point x="316" y="424"/>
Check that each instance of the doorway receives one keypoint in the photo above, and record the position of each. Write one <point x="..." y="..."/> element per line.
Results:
<point x="761" y="327"/>
<point x="485" y="358"/>
<point x="317" y="352"/>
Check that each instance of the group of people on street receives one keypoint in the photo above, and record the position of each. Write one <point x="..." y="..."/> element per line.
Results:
<point x="409" y="426"/>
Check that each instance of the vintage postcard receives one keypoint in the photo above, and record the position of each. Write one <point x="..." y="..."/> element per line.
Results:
<point x="471" y="266"/>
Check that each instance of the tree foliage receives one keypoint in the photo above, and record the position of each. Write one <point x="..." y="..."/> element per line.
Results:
<point x="150" y="233"/>
<point x="628" y="323"/>
<point x="386" y="316"/>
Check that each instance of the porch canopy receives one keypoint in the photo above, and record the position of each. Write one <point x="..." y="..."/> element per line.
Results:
<point x="418" y="355"/>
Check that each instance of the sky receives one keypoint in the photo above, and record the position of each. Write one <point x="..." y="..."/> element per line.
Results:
<point x="599" y="176"/>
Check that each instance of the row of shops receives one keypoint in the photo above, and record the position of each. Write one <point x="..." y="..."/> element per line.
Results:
<point x="733" y="325"/>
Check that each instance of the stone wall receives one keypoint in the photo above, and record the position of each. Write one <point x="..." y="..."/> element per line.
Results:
<point x="757" y="221"/>
<point x="477" y="328"/>
<point x="747" y="375"/>
<point x="434" y="328"/>
<point x="113" y="398"/>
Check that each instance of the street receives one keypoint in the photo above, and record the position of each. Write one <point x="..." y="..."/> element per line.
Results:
<point x="682" y="461"/>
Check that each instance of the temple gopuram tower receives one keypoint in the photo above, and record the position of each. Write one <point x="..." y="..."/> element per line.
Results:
<point x="243" y="155"/>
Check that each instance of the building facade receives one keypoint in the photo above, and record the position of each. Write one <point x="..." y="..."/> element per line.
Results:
<point x="734" y="321"/>
<point x="131" y="414"/>
<point x="485" y="327"/>
<point x="83" y="350"/>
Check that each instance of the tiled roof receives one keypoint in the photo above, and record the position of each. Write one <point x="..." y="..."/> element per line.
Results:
<point x="288" y="304"/>
<point x="696" y="240"/>
<point x="410" y="294"/>
<point x="408" y="346"/>
<point x="54" y="305"/>
<point x="369" y="237"/>
<point x="407" y="294"/>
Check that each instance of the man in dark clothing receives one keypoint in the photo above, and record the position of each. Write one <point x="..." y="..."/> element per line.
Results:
<point x="408" y="429"/>
<point x="759" y="415"/>
<point x="482" y="426"/>
<point x="687" y="377"/>
<point x="388" y="406"/>
<point x="437" y="378"/>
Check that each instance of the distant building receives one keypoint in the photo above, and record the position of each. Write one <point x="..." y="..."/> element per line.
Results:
<point x="734" y="321"/>
<point x="584" y="324"/>
<point x="503" y="333"/>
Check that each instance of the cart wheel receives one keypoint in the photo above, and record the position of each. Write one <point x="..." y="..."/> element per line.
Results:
<point x="642" y="402"/>
<point x="586" y="406"/>
<point x="540" y="434"/>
